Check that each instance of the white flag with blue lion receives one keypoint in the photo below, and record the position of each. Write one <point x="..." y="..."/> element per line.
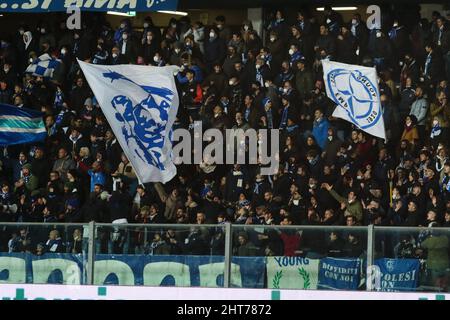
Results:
<point x="355" y="91"/>
<point x="140" y="104"/>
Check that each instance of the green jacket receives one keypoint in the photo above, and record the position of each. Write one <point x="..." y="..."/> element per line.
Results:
<point x="32" y="184"/>
<point x="437" y="252"/>
<point x="304" y="82"/>
<point x="353" y="209"/>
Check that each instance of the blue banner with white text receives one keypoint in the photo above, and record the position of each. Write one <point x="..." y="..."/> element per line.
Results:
<point x="398" y="274"/>
<point x="339" y="274"/>
<point x="180" y="271"/>
<point x="87" y="5"/>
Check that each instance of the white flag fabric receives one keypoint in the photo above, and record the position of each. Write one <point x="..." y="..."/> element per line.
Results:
<point x="355" y="91"/>
<point x="140" y="104"/>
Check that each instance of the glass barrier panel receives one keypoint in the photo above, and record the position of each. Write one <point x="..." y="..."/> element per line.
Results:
<point x="301" y="257"/>
<point x="411" y="259"/>
<point x="159" y="255"/>
<point x="43" y="253"/>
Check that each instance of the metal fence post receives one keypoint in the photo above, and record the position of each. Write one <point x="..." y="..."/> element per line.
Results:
<point x="91" y="253"/>
<point x="370" y="257"/>
<point x="228" y="255"/>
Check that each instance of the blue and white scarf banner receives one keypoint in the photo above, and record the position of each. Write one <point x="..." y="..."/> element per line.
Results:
<point x="140" y="104"/>
<point x="355" y="91"/>
<point x="44" y="66"/>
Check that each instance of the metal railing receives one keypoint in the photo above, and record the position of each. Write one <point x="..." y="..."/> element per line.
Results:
<point x="371" y="246"/>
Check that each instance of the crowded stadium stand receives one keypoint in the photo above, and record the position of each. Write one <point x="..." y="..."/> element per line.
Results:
<point x="342" y="199"/>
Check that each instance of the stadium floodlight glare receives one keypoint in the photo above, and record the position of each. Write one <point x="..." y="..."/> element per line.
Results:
<point x="339" y="8"/>
<point x="123" y="14"/>
<point x="177" y="13"/>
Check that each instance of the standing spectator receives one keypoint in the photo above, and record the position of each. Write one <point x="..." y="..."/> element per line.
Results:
<point x="223" y="29"/>
<point x="320" y="128"/>
<point x="215" y="49"/>
<point x="97" y="175"/>
<point x="63" y="164"/>
<point x="437" y="258"/>
<point x="419" y="109"/>
<point x="433" y="68"/>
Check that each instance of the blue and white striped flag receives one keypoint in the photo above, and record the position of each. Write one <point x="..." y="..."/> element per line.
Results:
<point x="44" y="66"/>
<point x="19" y="125"/>
<point x="140" y="104"/>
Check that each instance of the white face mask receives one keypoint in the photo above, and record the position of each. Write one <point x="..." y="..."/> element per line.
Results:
<point x="328" y="21"/>
<point x="174" y="25"/>
<point x="63" y="51"/>
<point x="42" y="30"/>
<point x="177" y="50"/>
<point x="146" y="25"/>
<point x="258" y="66"/>
<point x="246" y="28"/>
<point x="212" y="35"/>
<point x="273" y="39"/>
<point x="156" y="58"/>
<point x="267" y="84"/>
<point x="354" y="21"/>
<point x="114" y="55"/>
<point x="395" y="24"/>
<point x="291" y="51"/>
<point x="219" y="26"/>
<point x="285" y="90"/>
<point x="378" y="34"/>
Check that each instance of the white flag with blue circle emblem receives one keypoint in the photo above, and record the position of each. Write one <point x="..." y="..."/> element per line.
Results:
<point x="355" y="91"/>
<point x="140" y="104"/>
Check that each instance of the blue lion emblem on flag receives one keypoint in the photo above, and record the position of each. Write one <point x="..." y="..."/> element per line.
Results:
<point x="144" y="124"/>
<point x="359" y="97"/>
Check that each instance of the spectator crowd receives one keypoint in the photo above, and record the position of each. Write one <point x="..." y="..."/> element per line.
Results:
<point x="330" y="173"/>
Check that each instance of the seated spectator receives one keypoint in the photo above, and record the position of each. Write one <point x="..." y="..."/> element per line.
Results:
<point x="54" y="243"/>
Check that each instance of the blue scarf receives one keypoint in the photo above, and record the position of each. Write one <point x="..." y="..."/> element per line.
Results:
<point x="59" y="99"/>
<point x="435" y="131"/>
<point x="427" y="64"/>
<point x="291" y="128"/>
<point x="257" y="187"/>
<point x="259" y="77"/>
<point x="284" y="118"/>
<point x="247" y="114"/>
<point x="295" y="57"/>
<point x="269" y="119"/>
